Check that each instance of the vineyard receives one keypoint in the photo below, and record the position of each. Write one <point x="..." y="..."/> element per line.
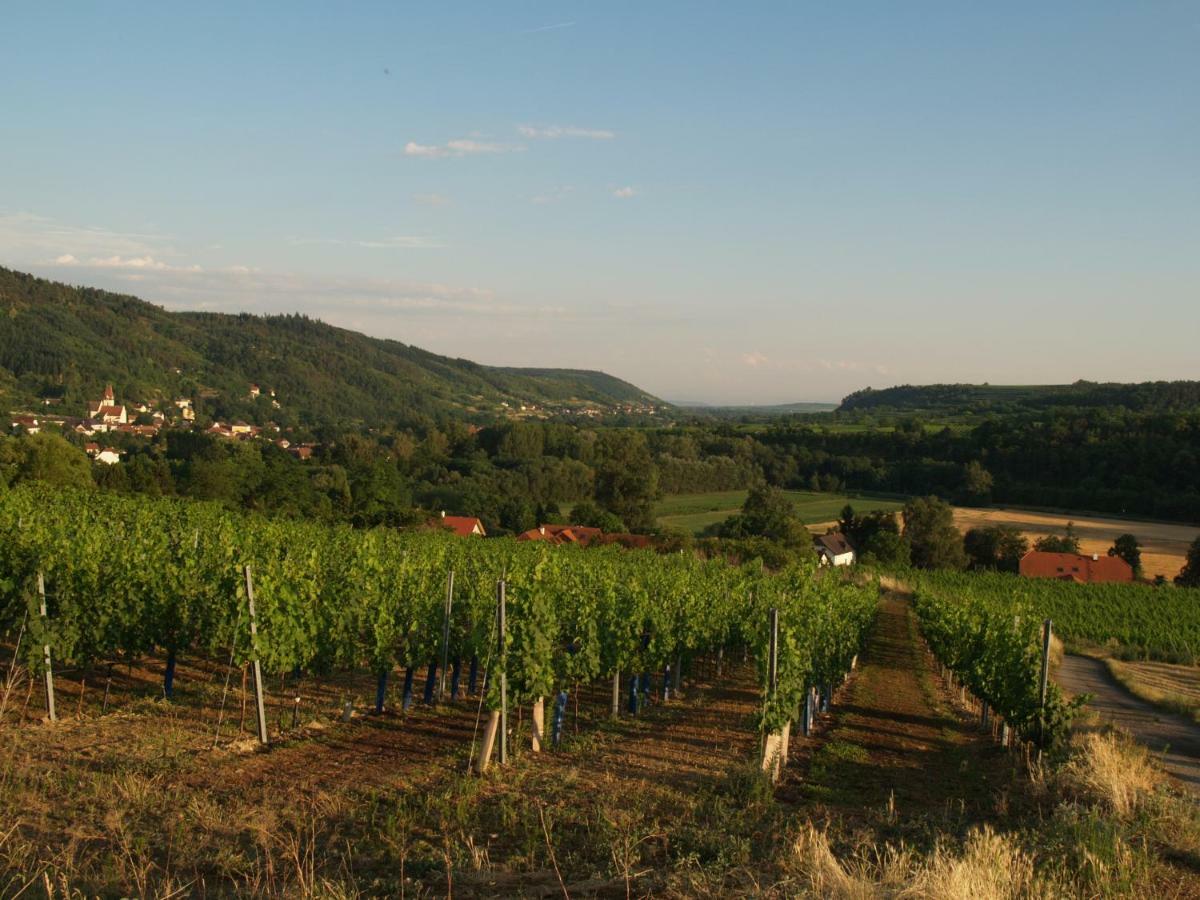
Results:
<point x="1158" y="624"/>
<point x="691" y="675"/>
<point x="91" y="577"/>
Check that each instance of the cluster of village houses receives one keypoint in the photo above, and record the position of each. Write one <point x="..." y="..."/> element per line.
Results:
<point x="107" y="416"/>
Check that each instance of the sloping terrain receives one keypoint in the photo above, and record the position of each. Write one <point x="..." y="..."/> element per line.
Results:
<point x="68" y="342"/>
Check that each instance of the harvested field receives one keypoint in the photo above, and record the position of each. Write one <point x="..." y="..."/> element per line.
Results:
<point x="1164" y="545"/>
<point x="1172" y="687"/>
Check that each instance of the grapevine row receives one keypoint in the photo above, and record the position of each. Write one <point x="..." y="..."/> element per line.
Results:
<point x="128" y="575"/>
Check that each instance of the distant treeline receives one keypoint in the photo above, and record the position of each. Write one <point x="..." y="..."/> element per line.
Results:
<point x="959" y="399"/>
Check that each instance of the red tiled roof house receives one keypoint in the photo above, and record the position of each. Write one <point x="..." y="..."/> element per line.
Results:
<point x="1094" y="569"/>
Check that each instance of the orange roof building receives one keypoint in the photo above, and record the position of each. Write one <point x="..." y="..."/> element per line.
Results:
<point x="463" y="526"/>
<point x="1078" y="567"/>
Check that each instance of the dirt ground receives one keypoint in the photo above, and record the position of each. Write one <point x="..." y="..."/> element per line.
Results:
<point x="898" y="751"/>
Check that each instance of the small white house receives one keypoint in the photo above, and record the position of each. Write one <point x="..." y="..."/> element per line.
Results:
<point x="834" y="549"/>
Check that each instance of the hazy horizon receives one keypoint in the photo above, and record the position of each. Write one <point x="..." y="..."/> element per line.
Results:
<point x="725" y="206"/>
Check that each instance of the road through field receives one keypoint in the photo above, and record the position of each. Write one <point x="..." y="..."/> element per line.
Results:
<point x="1174" y="740"/>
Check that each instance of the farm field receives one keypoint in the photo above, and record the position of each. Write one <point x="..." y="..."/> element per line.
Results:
<point x="1172" y="687"/>
<point x="695" y="512"/>
<point x="1164" y="545"/>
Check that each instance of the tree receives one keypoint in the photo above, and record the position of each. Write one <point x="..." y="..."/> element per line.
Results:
<point x="933" y="541"/>
<point x="1054" y="543"/>
<point x="1127" y="547"/>
<point x="1189" y="575"/>
<point x="585" y="512"/>
<point x="885" y="548"/>
<point x="45" y="457"/>
<point x="995" y="547"/>
<point x="626" y="482"/>
<point x="976" y="484"/>
<point x="861" y="529"/>
<point x="767" y="513"/>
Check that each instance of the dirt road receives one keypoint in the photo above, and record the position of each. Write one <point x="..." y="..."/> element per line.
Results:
<point x="1174" y="739"/>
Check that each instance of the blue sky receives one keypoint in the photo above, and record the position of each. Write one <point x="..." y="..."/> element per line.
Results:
<point x="719" y="202"/>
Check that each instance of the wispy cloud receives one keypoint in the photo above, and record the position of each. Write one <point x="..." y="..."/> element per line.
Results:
<point x="136" y="263"/>
<point x="552" y="132"/>
<point x="456" y="148"/>
<point x="624" y="193"/>
<point x="398" y="242"/>
<point x="26" y="237"/>
<point x="758" y="360"/>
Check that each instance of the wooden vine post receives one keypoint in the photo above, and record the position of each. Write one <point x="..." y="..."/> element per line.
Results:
<point x="538" y="724"/>
<point x="616" y="694"/>
<point x="773" y="744"/>
<point x="49" y="674"/>
<point x="259" y="707"/>
<point x="501" y="627"/>
<point x="446" y="635"/>
<point x="498" y="718"/>
<point x="1047" y="631"/>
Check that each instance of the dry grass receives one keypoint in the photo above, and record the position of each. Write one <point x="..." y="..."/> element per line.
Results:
<point x="989" y="866"/>
<point x="1113" y="772"/>
<point x="1174" y="688"/>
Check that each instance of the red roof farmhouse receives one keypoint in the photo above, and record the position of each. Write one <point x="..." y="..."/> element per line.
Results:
<point x="463" y="526"/>
<point x="1094" y="569"/>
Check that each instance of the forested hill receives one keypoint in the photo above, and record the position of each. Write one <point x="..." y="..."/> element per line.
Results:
<point x="68" y="342"/>
<point x="952" y="399"/>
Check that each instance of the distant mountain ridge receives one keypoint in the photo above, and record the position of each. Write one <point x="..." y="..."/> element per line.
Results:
<point x="66" y="343"/>
<point x="988" y="398"/>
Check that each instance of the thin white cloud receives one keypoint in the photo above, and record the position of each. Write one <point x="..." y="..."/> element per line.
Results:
<point x="624" y="193"/>
<point x="136" y="263"/>
<point x="398" y="242"/>
<point x="552" y="132"/>
<point x="434" y="200"/>
<point x="27" y="237"/>
<point x="456" y="148"/>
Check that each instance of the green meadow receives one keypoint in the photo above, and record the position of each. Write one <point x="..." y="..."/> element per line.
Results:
<point x="695" y="512"/>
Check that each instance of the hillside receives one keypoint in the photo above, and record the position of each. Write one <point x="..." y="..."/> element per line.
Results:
<point x="950" y="399"/>
<point x="66" y="343"/>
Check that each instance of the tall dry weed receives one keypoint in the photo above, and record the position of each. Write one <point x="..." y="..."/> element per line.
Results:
<point x="1112" y="771"/>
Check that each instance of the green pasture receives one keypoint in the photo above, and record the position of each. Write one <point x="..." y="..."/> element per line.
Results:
<point x="695" y="512"/>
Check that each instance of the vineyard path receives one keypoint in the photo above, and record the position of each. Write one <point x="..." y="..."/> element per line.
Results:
<point x="896" y="742"/>
<point x="1174" y="740"/>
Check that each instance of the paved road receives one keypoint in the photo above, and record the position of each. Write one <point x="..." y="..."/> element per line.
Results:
<point x="1174" y="739"/>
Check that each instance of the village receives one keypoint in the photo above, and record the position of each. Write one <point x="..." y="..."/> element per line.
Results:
<point x="108" y="416"/>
